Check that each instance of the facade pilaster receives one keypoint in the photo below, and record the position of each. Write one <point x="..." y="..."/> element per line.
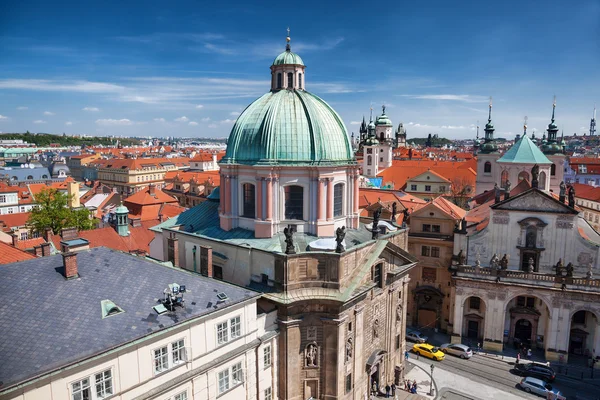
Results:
<point x="330" y="199"/>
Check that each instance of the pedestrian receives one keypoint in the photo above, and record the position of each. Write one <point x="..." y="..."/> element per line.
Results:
<point x="406" y="356"/>
<point x="374" y="388"/>
<point x="529" y="354"/>
<point x="478" y="347"/>
<point x="406" y="385"/>
<point x="393" y="388"/>
<point x="387" y="391"/>
<point x="518" y="357"/>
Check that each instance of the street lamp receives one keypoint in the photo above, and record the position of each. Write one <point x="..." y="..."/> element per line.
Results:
<point x="431" y="383"/>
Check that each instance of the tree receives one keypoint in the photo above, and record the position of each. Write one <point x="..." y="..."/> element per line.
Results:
<point x="460" y="191"/>
<point x="53" y="211"/>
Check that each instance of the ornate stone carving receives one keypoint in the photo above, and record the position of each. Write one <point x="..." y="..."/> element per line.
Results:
<point x="311" y="353"/>
<point x="502" y="296"/>
<point x="460" y="291"/>
<point x="399" y="313"/>
<point x="564" y="222"/>
<point x="533" y="201"/>
<point x="501" y="217"/>
<point x="348" y="350"/>
<point x="311" y="333"/>
<point x="584" y="258"/>
<point x="376" y="328"/>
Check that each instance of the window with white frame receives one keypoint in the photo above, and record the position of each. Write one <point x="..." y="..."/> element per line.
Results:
<point x="169" y="356"/>
<point x="237" y="375"/>
<point x="236" y="327"/>
<point x="2" y="198"/>
<point x="224" y="381"/>
<point x="230" y="377"/>
<point x="229" y="330"/>
<point x="268" y="393"/>
<point x="96" y="387"/>
<point x="267" y="356"/>
<point x="222" y="333"/>
<point x="181" y="396"/>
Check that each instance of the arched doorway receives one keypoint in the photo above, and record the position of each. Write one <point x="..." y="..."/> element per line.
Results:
<point x="582" y="333"/>
<point x="427" y="307"/>
<point x="474" y="318"/>
<point x="526" y="323"/>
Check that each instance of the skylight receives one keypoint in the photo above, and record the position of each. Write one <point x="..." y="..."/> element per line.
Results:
<point x="109" y="309"/>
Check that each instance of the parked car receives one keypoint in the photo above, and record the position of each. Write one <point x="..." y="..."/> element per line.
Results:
<point x="416" y="336"/>
<point x="428" y="351"/>
<point x="539" y="387"/>
<point x="536" y="370"/>
<point x="459" y="350"/>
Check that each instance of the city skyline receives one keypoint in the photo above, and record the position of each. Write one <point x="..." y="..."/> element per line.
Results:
<point x="190" y="71"/>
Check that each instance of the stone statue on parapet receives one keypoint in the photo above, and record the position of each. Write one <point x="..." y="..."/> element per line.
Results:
<point x="375" y="227"/>
<point x="571" y="196"/>
<point x="394" y="212"/>
<point x="570" y="270"/>
<point x="494" y="262"/>
<point x="289" y="240"/>
<point x="504" y="262"/>
<point x="340" y="234"/>
<point x="535" y="173"/>
<point x="530" y="266"/>
<point x="559" y="267"/>
<point x="563" y="192"/>
<point x="461" y="258"/>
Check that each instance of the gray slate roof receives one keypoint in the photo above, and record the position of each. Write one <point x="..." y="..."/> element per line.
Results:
<point x="47" y="322"/>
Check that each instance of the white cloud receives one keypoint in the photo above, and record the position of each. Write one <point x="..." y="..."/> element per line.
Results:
<point x="159" y="120"/>
<point x="355" y="122"/>
<point x="182" y="119"/>
<point x="39" y="121"/>
<point x="466" y="98"/>
<point x="60" y="85"/>
<point x="212" y="125"/>
<point x="48" y="113"/>
<point x="22" y="108"/>
<point x="193" y="123"/>
<point x="234" y="113"/>
<point x="205" y="119"/>
<point x="228" y="121"/>
<point x="3" y="117"/>
<point x="199" y="106"/>
<point x="114" y="122"/>
<point x="69" y="123"/>
<point x="93" y="109"/>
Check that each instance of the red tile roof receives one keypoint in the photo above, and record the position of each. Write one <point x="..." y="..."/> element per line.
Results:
<point x="9" y="254"/>
<point x="402" y="170"/>
<point x="14" y="220"/>
<point x="30" y="243"/>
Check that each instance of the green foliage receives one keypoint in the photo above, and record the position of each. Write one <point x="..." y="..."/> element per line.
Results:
<point x="53" y="211"/>
<point x="45" y="139"/>
<point x="436" y="142"/>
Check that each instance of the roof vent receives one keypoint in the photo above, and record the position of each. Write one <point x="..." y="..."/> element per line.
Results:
<point x="222" y="296"/>
<point x="109" y="309"/>
<point x="173" y="297"/>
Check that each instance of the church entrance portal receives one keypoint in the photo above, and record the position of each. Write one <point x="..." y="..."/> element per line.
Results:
<point x="523" y="331"/>
<point x="473" y="330"/>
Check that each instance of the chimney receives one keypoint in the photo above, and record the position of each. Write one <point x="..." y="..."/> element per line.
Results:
<point x="38" y="251"/>
<point x="206" y="265"/>
<point x="45" y="248"/>
<point x="152" y="189"/>
<point x="214" y="159"/>
<point x="48" y="234"/>
<point x="15" y="239"/>
<point x="68" y="233"/>
<point x="173" y="250"/>
<point x="70" y="264"/>
<point x="73" y="192"/>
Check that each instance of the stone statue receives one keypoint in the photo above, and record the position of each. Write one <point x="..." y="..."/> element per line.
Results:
<point x="507" y="189"/>
<point x="376" y="328"/>
<point x="311" y="355"/>
<point x="461" y="258"/>
<point x="348" y="349"/>
<point x="496" y="193"/>
<point x="571" y="196"/>
<point x="589" y="274"/>
<point x="405" y="213"/>
<point x="477" y="262"/>
<point x="559" y="267"/>
<point x="535" y="173"/>
<point x="494" y="262"/>
<point x="530" y="266"/>
<point x="399" y="313"/>
<point x="394" y="212"/>
<point x="570" y="270"/>
<point x="340" y="234"/>
<point x="563" y="192"/>
<point x="289" y="241"/>
<point x="504" y="262"/>
<point x="375" y="228"/>
<point x="463" y="225"/>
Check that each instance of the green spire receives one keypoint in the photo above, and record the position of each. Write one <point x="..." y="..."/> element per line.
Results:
<point x="489" y="145"/>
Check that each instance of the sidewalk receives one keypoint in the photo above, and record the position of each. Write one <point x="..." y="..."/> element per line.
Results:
<point x="444" y="379"/>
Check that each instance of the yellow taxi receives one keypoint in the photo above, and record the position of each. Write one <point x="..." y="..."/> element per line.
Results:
<point x="429" y="351"/>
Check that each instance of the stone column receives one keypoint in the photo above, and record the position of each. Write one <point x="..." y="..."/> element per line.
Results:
<point x="320" y="194"/>
<point x="290" y="360"/>
<point x="330" y="199"/>
<point x="459" y="303"/>
<point x="361" y="379"/>
<point x="333" y="358"/>
<point x="596" y="348"/>
<point x="222" y="195"/>
<point x="269" y="199"/>
<point x="356" y="193"/>
<point x="228" y="195"/>
<point x="259" y="199"/>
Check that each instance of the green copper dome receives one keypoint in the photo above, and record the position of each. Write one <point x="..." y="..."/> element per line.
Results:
<point x="289" y="127"/>
<point x="383" y="120"/>
<point x="287" y="57"/>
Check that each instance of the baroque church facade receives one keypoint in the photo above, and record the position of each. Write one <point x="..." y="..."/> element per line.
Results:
<point x="285" y="222"/>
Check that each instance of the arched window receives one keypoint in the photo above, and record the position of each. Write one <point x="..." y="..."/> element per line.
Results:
<point x="487" y="167"/>
<point x="249" y="208"/>
<point x="299" y="80"/>
<point x="542" y="181"/>
<point x="294" y="202"/>
<point x="381" y="136"/>
<point x="369" y="160"/>
<point x="503" y="178"/>
<point x="44" y="176"/>
<point x="553" y="170"/>
<point x="523" y="175"/>
<point x="338" y="199"/>
<point x="279" y="83"/>
<point x="290" y="82"/>
<point x="29" y="177"/>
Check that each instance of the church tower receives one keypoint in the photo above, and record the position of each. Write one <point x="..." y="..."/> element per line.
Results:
<point x="553" y="149"/>
<point x="487" y="170"/>
<point x="370" y="151"/>
<point x="401" y="136"/>
<point x="383" y="130"/>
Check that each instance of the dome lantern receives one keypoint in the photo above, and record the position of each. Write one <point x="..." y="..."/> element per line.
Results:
<point x="287" y="70"/>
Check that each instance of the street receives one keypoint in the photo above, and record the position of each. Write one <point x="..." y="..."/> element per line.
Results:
<point x="498" y="374"/>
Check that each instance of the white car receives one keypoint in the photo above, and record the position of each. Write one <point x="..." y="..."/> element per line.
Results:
<point x="539" y="387"/>
<point x="416" y="336"/>
<point x="457" y="349"/>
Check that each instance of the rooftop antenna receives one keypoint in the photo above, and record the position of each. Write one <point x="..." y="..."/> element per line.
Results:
<point x="593" y="123"/>
<point x="477" y="129"/>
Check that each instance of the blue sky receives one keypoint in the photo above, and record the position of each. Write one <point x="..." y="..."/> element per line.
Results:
<point x="186" y="68"/>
